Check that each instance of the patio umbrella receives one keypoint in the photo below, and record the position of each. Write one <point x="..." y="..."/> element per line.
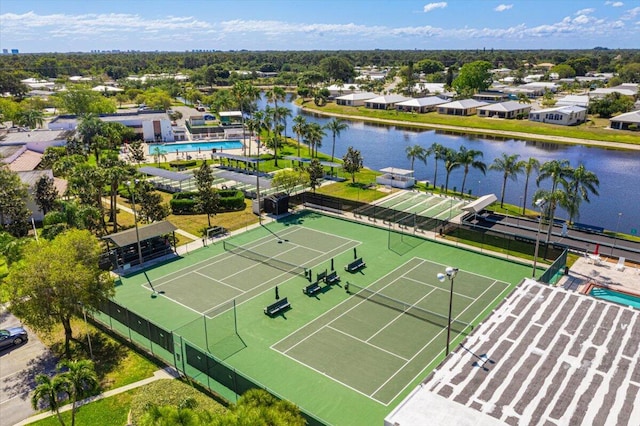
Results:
<point x="597" y="249"/>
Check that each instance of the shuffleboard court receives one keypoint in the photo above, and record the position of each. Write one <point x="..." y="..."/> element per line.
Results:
<point x="382" y="337"/>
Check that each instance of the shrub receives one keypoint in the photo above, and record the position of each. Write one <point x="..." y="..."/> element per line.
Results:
<point x="182" y="164"/>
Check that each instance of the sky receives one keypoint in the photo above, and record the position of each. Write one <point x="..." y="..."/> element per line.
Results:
<point x="182" y="25"/>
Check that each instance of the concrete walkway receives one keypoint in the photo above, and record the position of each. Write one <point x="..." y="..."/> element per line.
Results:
<point x="166" y="373"/>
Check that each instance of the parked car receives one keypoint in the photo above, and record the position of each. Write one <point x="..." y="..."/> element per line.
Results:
<point x="13" y="336"/>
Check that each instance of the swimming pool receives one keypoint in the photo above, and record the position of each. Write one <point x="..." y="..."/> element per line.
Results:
<point x="615" y="296"/>
<point x="205" y="146"/>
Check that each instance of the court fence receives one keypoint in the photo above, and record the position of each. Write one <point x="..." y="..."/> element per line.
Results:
<point x="556" y="270"/>
<point x="188" y="358"/>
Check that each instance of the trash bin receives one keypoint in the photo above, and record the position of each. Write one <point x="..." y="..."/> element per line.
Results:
<point x="566" y="270"/>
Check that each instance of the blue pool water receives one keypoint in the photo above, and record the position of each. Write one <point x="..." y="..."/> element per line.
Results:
<point x="616" y="297"/>
<point x="195" y="146"/>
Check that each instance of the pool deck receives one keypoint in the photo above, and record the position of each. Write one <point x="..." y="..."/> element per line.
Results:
<point x="583" y="275"/>
<point x="172" y="156"/>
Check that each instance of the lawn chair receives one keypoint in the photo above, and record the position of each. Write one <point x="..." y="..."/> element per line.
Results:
<point x="620" y="264"/>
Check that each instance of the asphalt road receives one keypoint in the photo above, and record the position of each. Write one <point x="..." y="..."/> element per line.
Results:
<point x="18" y="368"/>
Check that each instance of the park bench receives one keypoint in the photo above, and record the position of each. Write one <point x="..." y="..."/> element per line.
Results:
<point x="311" y="289"/>
<point x="279" y="305"/>
<point x="355" y="265"/>
<point x="332" y="278"/>
<point x="320" y="276"/>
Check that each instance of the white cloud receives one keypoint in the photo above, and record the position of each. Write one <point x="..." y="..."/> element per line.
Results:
<point x="614" y="3"/>
<point x="431" y="6"/>
<point x="585" y="11"/>
<point x="503" y="7"/>
<point x="631" y="14"/>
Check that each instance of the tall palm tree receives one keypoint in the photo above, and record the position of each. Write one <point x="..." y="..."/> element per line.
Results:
<point x="335" y="126"/>
<point x="531" y="165"/>
<point x="274" y="95"/>
<point x="416" y="151"/>
<point x="299" y="128"/>
<point x="283" y="114"/>
<point x="116" y="171"/>
<point x="557" y="171"/>
<point x="581" y="183"/>
<point x="82" y="381"/>
<point x="450" y="164"/>
<point x="510" y="168"/>
<point x="437" y="151"/>
<point x="313" y="138"/>
<point x="468" y="159"/>
<point x="48" y="391"/>
<point x="31" y="118"/>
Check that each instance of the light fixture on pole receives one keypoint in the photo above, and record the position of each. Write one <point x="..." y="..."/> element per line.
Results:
<point x="449" y="273"/>
<point x="615" y="235"/>
<point x="86" y="329"/>
<point x="540" y="204"/>
<point x="135" y="218"/>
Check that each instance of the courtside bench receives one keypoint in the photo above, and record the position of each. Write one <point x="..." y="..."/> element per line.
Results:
<point x="332" y="278"/>
<point x="311" y="289"/>
<point x="279" y="305"/>
<point x="355" y="265"/>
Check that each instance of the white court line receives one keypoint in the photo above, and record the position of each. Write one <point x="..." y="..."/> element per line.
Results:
<point x="221" y="282"/>
<point x="438" y="288"/>
<point x="366" y="342"/>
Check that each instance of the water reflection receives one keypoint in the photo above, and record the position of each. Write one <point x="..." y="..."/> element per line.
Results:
<point x="384" y="146"/>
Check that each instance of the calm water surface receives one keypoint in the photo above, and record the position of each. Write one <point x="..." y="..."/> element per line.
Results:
<point x="384" y="146"/>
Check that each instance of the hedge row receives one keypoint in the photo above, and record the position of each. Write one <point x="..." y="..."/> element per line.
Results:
<point x="186" y="202"/>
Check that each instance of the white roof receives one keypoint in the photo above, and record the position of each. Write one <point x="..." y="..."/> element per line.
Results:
<point x="357" y="96"/>
<point x="421" y="102"/>
<point x="568" y="109"/>
<point x="348" y="86"/>
<point x="464" y="104"/>
<point x="506" y="106"/>
<point x="545" y="84"/>
<point x="431" y="87"/>
<point x="480" y="204"/>
<point x="629" y="117"/>
<point x="230" y="114"/>
<point x="388" y="99"/>
<point x="608" y="90"/>
<point x="396" y="171"/>
<point x="106" y="89"/>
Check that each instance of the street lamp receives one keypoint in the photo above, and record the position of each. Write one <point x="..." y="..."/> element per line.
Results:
<point x="135" y="219"/>
<point x="86" y="329"/>
<point x="616" y="233"/>
<point x="540" y="204"/>
<point x="450" y="274"/>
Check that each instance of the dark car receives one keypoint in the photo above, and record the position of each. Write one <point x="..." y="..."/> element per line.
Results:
<point x="12" y="337"/>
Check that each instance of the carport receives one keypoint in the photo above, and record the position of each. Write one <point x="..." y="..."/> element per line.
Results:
<point x="153" y="241"/>
<point x="166" y="180"/>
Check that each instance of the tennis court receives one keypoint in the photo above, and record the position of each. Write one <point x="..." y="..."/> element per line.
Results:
<point x="383" y="336"/>
<point x="345" y="357"/>
<point x="423" y="204"/>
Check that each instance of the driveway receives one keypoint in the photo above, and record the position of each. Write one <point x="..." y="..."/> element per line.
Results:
<point x="18" y="368"/>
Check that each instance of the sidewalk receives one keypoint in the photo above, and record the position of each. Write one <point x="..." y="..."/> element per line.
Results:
<point x="166" y="373"/>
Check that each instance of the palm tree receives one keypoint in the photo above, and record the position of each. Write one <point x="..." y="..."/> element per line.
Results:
<point x="335" y="126"/>
<point x="274" y="95"/>
<point x="450" y="164"/>
<point x="416" y="151"/>
<point x="468" y="158"/>
<point x="116" y="171"/>
<point x="552" y="199"/>
<point x="82" y="381"/>
<point x="437" y="150"/>
<point x="314" y="136"/>
<point x="48" y="391"/>
<point x="510" y="168"/>
<point x="299" y="128"/>
<point x="557" y="171"/>
<point x="31" y="118"/>
<point x="532" y="164"/>
<point x="157" y="154"/>
<point x="581" y="183"/>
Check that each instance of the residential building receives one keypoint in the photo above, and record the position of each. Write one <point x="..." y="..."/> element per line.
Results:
<point x="627" y="121"/>
<point x="355" y="99"/>
<point x="385" y="102"/>
<point x="421" y="105"/>
<point x="509" y="109"/>
<point x="491" y="97"/>
<point x="564" y="115"/>
<point x="574" y="100"/>
<point x="463" y="107"/>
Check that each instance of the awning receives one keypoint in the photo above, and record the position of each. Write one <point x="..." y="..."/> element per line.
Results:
<point x="236" y="157"/>
<point x="128" y="237"/>
<point x="396" y="171"/>
<point x="167" y="174"/>
<point x="480" y="204"/>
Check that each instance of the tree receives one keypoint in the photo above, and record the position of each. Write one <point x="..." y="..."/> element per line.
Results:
<point x="352" y="162"/>
<point x="55" y="277"/>
<point x="450" y="164"/>
<point x="557" y="171"/>
<point x="467" y="158"/>
<point x="30" y="118"/>
<point x="580" y="183"/>
<point x="259" y="408"/>
<point x="158" y="154"/>
<point x="316" y="173"/>
<point x="630" y="73"/>
<point x="510" y="168"/>
<point x="564" y="71"/>
<point x="300" y="128"/>
<point x="429" y="66"/>
<point x="14" y="214"/>
<point x="289" y="179"/>
<point x="611" y="104"/>
<point x="438" y="154"/>
<point x="416" y="151"/>
<point x="48" y="391"/>
<point x="150" y="203"/>
<point x="313" y="137"/>
<point x="335" y="126"/>
<point x="81" y="381"/>
<point x="274" y="95"/>
<point x="136" y="152"/>
<point x="115" y="172"/>
<point x="208" y="199"/>
<point x="474" y="76"/>
<point x="81" y="100"/>
<point x="45" y="193"/>
<point x="337" y="68"/>
<point x="531" y="165"/>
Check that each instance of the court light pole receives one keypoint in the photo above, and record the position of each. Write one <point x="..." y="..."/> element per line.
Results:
<point x="615" y="235"/>
<point x="135" y="218"/>
<point x="540" y="204"/>
<point x="450" y="274"/>
<point x="86" y="329"/>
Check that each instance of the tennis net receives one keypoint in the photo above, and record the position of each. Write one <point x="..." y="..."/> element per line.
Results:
<point x="259" y="257"/>
<point x="406" y="308"/>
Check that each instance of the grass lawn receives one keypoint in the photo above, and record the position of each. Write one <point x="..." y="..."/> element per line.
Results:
<point x="112" y="411"/>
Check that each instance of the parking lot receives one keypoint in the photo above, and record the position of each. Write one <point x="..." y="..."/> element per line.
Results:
<point x="18" y="367"/>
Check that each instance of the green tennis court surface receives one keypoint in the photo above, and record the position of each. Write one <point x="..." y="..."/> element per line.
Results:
<point x="345" y="358"/>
